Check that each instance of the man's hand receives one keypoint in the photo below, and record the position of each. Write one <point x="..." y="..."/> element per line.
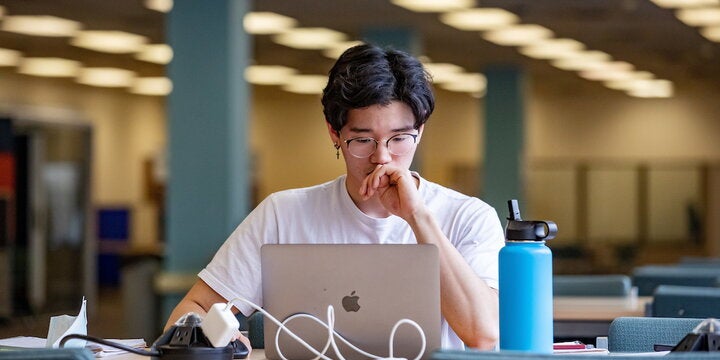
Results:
<point x="396" y="189"/>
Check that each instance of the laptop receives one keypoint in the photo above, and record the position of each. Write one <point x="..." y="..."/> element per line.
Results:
<point x="371" y="287"/>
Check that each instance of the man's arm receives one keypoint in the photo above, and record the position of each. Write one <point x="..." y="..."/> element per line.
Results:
<point x="469" y="305"/>
<point x="199" y="299"/>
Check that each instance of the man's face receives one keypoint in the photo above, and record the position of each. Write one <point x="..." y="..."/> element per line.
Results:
<point x="380" y="123"/>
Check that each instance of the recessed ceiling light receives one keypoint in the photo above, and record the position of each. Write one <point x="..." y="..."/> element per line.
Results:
<point x="158" y="86"/>
<point x="553" y="49"/>
<point x="480" y="19"/>
<point x="105" y="77"/>
<point x="9" y="57"/>
<point x="268" y="74"/>
<point x="615" y="70"/>
<point x="339" y="48"/>
<point x="309" y="38"/>
<point x="518" y="35"/>
<point x="443" y="72"/>
<point x="685" y="3"/>
<point x="155" y="53"/>
<point x="467" y="82"/>
<point x="267" y="23"/>
<point x="582" y="60"/>
<point x="711" y="33"/>
<point x="633" y="77"/>
<point x="656" y="88"/>
<point x="40" y="25"/>
<point x="434" y="5"/>
<point x="706" y="16"/>
<point x="306" y="84"/>
<point x="115" y="42"/>
<point x="163" y="6"/>
<point x="49" y="67"/>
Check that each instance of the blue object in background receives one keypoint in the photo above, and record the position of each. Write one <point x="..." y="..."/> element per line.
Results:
<point x="113" y="233"/>
<point x="525" y="274"/>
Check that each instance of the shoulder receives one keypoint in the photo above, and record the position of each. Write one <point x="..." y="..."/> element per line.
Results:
<point x="443" y="196"/>
<point x="317" y="192"/>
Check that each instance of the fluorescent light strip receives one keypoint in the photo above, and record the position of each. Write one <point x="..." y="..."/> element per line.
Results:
<point x="434" y="5"/>
<point x="306" y="84"/>
<point x="155" y="86"/>
<point x="163" y="6"/>
<point x="518" y="35"/>
<point x="262" y="23"/>
<point x="479" y="19"/>
<point x="553" y="49"/>
<point x="106" y="77"/>
<point x="9" y="57"/>
<point x="114" y="42"/>
<point x="268" y="74"/>
<point x="317" y="38"/>
<point x="155" y="53"/>
<point x="711" y="33"/>
<point x="49" y="26"/>
<point x="705" y="16"/>
<point x="49" y="67"/>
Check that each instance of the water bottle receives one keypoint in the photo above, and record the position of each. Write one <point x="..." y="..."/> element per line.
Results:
<point x="525" y="270"/>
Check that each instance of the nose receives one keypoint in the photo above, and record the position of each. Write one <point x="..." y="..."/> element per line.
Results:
<point x="381" y="155"/>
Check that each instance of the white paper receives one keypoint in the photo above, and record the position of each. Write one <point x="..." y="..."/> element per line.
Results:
<point x="63" y="325"/>
<point x="23" y="342"/>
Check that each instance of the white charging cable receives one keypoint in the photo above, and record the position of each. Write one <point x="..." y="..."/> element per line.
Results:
<point x="332" y="334"/>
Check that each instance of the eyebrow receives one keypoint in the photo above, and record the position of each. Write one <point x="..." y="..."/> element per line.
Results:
<point x="365" y="130"/>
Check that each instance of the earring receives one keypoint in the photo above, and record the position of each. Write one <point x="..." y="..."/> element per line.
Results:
<point x="337" y="150"/>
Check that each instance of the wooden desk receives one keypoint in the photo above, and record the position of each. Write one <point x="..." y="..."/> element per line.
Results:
<point x="590" y="317"/>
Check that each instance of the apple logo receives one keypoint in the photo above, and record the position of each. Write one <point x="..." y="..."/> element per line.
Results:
<point x="350" y="302"/>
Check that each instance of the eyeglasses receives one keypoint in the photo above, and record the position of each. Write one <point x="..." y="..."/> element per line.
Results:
<point x="362" y="147"/>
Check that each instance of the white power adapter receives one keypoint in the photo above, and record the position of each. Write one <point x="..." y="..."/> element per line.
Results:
<point x="219" y="325"/>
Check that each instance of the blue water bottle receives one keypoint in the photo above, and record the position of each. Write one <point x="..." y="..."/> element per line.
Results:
<point x="525" y="270"/>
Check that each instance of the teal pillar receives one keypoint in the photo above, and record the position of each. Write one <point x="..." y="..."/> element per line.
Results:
<point x="209" y="170"/>
<point x="504" y="137"/>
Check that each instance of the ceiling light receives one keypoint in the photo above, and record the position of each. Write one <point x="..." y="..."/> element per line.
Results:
<point x="553" y="49"/>
<point x="163" y="6"/>
<point x="9" y="57"/>
<point x="443" y="72"/>
<point x="657" y="88"/>
<point x="115" y="42"/>
<point x="106" y="77"/>
<point x="155" y="53"/>
<point x="630" y="81"/>
<point x="309" y="38"/>
<point x="434" y="5"/>
<point x="711" y="33"/>
<point x="467" y="82"/>
<point x="159" y="86"/>
<point x="40" y="25"/>
<point x="268" y="74"/>
<point x="582" y="60"/>
<point x="707" y="16"/>
<point x="685" y="3"/>
<point x="267" y="23"/>
<point x="518" y="35"/>
<point x="49" y="67"/>
<point x="338" y="49"/>
<point x="306" y="84"/>
<point x="609" y="71"/>
<point x="480" y="19"/>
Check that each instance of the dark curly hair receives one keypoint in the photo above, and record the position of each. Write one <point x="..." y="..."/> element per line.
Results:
<point x="366" y="75"/>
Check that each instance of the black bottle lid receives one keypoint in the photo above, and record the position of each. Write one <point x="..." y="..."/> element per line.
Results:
<point x="519" y="230"/>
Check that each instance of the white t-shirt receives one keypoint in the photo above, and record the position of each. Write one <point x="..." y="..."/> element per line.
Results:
<point x="325" y="213"/>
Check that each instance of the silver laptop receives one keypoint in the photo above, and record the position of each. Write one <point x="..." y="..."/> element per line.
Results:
<point x="371" y="287"/>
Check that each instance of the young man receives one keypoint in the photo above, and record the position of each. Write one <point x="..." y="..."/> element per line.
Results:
<point x="376" y="104"/>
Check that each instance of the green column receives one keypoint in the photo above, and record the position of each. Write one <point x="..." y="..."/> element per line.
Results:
<point x="504" y="137"/>
<point x="209" y="170"/>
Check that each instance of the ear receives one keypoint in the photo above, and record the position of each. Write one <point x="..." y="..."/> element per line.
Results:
<point x="334" y="135"/>
<point x="420" y="132"/>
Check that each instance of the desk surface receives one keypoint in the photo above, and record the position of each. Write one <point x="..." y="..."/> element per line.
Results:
<point x="598" y="308"/>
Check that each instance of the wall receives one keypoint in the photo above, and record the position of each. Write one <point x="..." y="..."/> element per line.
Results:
<point x="127" y="129"/>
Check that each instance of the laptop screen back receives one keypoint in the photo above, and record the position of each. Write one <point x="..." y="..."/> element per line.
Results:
<point x="371" y="287"/>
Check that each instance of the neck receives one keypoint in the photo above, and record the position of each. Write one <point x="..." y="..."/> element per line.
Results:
<point x="370" y="207"/>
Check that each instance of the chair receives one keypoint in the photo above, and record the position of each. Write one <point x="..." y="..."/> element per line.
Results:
<point x="648" y="277"/>
<point x="591" y="285"/>
<point x="686" y="301"/>
<point x="47" y="354"/>
<point x="640" y="334"/>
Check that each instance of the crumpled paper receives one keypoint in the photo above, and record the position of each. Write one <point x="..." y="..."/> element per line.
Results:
<point x="63" y="325"/>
